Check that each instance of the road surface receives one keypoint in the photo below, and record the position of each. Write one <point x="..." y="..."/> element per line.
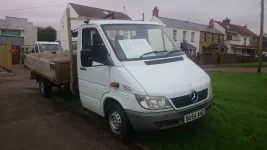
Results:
<point x="28" y="121"/>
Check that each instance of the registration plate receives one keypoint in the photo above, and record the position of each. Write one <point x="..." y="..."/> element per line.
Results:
<point x="194" y="115"/>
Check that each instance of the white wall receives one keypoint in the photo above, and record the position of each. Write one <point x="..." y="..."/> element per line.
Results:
<point x="179" y="37"/>
<point x="237" y="42"/>
<point x="219" y="28"/>
<point x="179" y="34"/>
<point x="247" y="40"/>
<point x="64" y="29"/>
<point x="155" y="19"/>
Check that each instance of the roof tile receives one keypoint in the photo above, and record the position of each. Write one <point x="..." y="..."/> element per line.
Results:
<point x="93" y="12"/>
<point x="179" y="24"/>
<point x="236" y="28"/>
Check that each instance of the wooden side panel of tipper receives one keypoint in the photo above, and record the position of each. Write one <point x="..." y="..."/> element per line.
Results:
<point x="63" y="70"/>
<point x="40" y="66"/>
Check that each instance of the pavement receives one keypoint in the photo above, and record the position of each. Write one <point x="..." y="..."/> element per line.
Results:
<point x="28" y="121"/>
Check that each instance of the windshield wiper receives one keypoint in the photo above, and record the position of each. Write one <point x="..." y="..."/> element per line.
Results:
<point x="171" y="52"/>
<point x="153" y="52"/>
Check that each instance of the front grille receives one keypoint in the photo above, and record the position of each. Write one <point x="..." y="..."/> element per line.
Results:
<point x="185" y="100"/>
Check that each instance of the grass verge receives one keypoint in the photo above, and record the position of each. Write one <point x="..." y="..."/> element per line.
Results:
<point x="238" y="119"/>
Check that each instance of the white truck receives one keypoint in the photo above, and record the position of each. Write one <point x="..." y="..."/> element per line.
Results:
<point x="42" y="46"/>
<point x="45" y="46"/>
<point x="133" y="74"/>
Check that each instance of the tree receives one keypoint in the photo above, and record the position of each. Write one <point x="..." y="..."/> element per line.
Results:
<point x="46" y="34"/>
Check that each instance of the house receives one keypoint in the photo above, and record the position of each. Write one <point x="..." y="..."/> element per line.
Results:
<point x="83" y="13"/>
<point x="211" y="40"/>
<point x="238" y="39"/>
<point x="18" y="32"/>
<point x="190" y="36"/>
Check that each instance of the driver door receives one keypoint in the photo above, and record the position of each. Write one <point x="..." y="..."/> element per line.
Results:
<point x="93" y="79"/>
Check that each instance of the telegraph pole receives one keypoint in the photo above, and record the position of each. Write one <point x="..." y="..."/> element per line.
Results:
<point x="261" y="36"/>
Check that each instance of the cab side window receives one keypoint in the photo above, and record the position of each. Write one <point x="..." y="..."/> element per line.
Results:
<point x="91" y="40"/>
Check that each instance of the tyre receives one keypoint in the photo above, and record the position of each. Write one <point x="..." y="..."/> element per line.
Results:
<point x="118" y="122"/>
<point x="45" y="87"/>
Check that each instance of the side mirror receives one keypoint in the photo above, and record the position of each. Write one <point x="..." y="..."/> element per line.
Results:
<point x="86" y="57"/>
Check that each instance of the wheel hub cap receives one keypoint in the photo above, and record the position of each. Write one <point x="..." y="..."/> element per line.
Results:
<point x="115" y="122"/>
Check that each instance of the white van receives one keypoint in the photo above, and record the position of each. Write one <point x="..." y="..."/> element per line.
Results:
<point x="133" y="73"/>
<point x="44" y="46"/>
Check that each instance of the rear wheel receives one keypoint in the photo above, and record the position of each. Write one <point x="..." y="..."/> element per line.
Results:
<point x="118" y="122"/>
<point x="45" y="87"/>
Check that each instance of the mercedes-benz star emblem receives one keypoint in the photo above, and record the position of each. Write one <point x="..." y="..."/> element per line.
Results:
<point x="194" y="96"/>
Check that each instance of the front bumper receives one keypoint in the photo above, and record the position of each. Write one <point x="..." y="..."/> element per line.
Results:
<point x="164" y="120"/>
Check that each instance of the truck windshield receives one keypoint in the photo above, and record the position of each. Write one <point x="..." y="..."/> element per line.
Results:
<point x="140" y="41"/>
<point x="50" y="47"/>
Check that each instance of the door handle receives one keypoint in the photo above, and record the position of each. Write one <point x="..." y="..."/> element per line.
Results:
<point x="81" y="68"/>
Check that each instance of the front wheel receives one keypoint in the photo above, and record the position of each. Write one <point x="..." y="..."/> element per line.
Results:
<point x="118" y="122"/>
<point x="45" y="87"/>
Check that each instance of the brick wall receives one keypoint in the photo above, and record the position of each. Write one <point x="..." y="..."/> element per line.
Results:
<point x="209" y="40"/>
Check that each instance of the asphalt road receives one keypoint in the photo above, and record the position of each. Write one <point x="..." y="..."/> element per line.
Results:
<point x="28" y="121"/>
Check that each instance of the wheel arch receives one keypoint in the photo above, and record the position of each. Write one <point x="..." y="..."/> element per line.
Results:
<point x="106" y="101"/>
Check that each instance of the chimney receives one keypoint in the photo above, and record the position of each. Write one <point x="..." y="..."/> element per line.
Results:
<point x="226" y="21"/>
<point x="143" y="16"/>
<point x="155" y="12"/>
<point x="211" y="23"/>
<point x="246" y="26"/>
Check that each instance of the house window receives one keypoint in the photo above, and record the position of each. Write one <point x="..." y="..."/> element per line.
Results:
<point x="229" y="37"/>
<point x="184" y="35"/>
<point x="174" y="34"/>
<point x="250" y="41"/>
<point x="204" y="38"/>
<point x="192" y="36"/>
<point x="126" y="34"/>
<point x="245" y="41"/>
<point x="211" y="37"/>
<point x="219" y="38"/>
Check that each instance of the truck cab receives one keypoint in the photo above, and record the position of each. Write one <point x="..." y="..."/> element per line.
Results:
<point x="43" y="46"/>
<point x="133" y="74"/>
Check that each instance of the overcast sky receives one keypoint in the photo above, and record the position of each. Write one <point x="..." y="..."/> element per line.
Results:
<point x="49" y="12"/>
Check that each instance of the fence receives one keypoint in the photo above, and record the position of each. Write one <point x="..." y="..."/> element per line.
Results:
<point x="5" y="57"/>
<point x="224" y="58"/>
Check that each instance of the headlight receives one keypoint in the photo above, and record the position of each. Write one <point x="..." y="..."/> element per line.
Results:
<point x="153" y="102"/>
<point x="210" y="89"/>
